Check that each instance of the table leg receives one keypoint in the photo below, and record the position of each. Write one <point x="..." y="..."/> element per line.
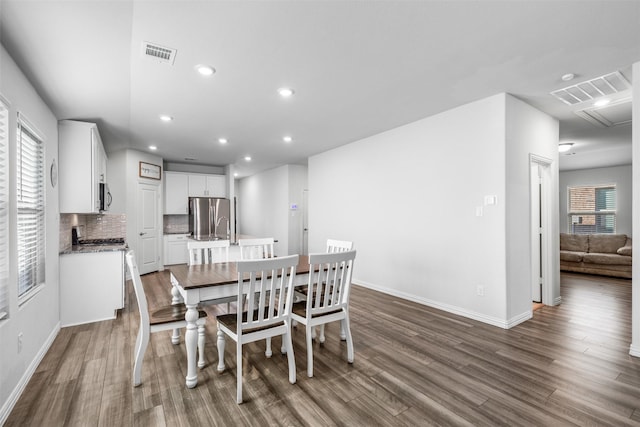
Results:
<point x="175" y="299"/>
<point x="221" y="344"/>
<point x="191" y="342"/>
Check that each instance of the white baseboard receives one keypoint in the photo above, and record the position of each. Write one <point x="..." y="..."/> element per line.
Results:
<point x="22" y="384"/>
<point x="494" y="321"/>
<point x="634" y="350"/>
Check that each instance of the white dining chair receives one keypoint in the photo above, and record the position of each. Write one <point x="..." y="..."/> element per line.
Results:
<point x="209" y="252"/>
<point x="266" y="316"/>
<point x="161" y="319"/>
<point x="338" y="245"/>
<point x="327" y="297"/>
<point x="333" y="246"/>
<point x="256" y="248"/>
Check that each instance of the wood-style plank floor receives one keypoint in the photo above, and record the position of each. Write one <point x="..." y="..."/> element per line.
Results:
<point x="415" y="365"/>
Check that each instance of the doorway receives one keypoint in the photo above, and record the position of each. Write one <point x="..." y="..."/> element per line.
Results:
<point x="147" y="251"/>
<point x="541" y="251"/>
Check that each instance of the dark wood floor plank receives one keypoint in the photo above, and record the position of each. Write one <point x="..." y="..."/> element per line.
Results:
<point x="415" y="365"/>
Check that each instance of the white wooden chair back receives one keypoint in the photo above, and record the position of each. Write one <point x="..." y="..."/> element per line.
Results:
<point x="329" y="282"/>
<point x="139" y="290"/>
<point x="256" y="248"/>
<point x="338" y="245"/>
<point x="208" y="251"/>
<point x="267" y="287"/>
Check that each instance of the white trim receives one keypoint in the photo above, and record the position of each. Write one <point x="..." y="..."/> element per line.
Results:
<point x="26" y="377"/>
<point x="557" y="301"/>
<point x="493" y="321"/>
<point x="634" y="350"/>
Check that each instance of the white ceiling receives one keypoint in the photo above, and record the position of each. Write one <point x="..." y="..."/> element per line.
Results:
<point x="358" y="68"/>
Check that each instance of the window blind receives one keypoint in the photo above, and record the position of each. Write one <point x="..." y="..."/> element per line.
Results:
<point x="30" y="203"/>
<point x="592" y="209"/>
<point x="4" y="211"/>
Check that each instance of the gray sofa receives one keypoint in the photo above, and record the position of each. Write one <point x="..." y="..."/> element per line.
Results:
<point x="604" y="254"/>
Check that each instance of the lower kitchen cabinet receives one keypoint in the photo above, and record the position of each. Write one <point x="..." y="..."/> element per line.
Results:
<point x="91" y="286"/>
<point x="175" y="249"/>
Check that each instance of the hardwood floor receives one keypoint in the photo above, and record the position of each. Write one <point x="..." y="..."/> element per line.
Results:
<point x="414" y="365"/>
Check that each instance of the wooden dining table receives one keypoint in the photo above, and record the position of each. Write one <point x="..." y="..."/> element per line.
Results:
<point x="193" y="284"/>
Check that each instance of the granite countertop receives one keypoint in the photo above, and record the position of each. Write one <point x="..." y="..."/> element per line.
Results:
<point x="89" y="249"/>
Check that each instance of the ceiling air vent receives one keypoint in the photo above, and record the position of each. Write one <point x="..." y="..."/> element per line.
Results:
<point x="613" y="114"/>
<point x="159" y="53"/>
<point x="606" y="85"/>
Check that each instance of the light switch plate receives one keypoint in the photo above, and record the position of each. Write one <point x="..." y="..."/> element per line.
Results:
<point x="490" y="200"/>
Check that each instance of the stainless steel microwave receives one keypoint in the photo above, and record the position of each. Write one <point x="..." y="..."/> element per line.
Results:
<point x="105" y="197"/>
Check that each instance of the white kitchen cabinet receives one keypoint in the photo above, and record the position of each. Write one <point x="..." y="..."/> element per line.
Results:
<point x="82" y="166"/>
<point x="201" y="185"/>
<point x="176" y="193"/>
<point x="175" y="249"/>
<point x="91" y="286"/>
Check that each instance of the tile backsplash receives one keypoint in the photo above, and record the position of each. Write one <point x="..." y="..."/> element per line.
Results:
<point x="176" y="224"/>
<point x="95" y="226"/>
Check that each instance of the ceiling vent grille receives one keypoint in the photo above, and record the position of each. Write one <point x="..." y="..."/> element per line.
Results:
<point x="159" y="53"/>
<point x="606" y="85"/>
<point x="614" y="114"/>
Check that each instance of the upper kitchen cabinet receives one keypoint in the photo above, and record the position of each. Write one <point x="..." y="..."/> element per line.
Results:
<point x="82" y="166"/>
<point x="201" y="185"/>
<point x="176" y="193"/>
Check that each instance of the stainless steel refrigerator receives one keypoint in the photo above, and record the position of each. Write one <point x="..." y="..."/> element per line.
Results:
<point x="209" y="218"/>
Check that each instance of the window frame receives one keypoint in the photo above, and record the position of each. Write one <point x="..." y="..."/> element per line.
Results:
<point x="4" y="209"/>
<point x="23" y="125"/>
<point x="596" y="213"/>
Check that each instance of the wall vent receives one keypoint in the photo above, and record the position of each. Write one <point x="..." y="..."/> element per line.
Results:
<point x="606" y="85"/>
<point x="159" y="53"/>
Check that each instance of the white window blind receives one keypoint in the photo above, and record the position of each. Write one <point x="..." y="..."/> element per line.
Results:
<point x="592" y="209"/>
<point x="4" y="211"/>
<point x="30" y="202"/>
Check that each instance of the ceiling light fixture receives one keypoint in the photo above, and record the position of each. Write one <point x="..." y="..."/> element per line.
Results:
<point x="235" y="174"/>
<point x="205" y="70"/>
<point x="222" y="140"/>
<point x="247" y="158"/>
<point x="285" y="92"/>
<point x="287" y="139"/>
<point x="568" y="77"/>
<point x="602" y="102"/>
<point x="153" y="147"/>
<point x="563" y="148"/>
<point x="165" y="118"/>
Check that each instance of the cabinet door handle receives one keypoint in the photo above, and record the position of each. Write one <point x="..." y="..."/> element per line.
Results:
<point x="142" y="233"/>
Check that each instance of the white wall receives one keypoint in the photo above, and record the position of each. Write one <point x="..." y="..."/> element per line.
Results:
<point x="39" y="318"/>
<point x="408" y="197"/>
<point x="529" y="132"/>
<point x="619" y="175"/>
<point x="263" y="205"/>
<point x="635" y="303"/>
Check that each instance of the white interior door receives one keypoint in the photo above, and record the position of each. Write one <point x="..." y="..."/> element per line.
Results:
<point x="536" y="233"/>
<point x="148" y="252"/>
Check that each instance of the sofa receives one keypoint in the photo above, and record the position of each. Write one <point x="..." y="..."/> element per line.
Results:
<point x="604" y="254"/>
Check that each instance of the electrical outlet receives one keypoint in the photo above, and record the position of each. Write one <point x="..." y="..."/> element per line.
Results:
<point x="20" y="342"/>
<point x="480" y="290"/>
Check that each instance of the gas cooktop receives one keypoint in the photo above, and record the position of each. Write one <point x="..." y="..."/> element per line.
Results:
<point x="111" y="241"/>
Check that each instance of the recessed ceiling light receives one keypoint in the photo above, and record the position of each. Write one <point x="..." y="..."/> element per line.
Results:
<point x="205" y="70"/>
<point x="222" y="140"/>
<point x="568" y="77"/>
<point x="287" y="139"/>
<point x="285" y="92"/>
<point x="153" y="147"/>
<point x="601" y="103"/>
<point x="165" y="118"/>
<point x="247" y="158"/>
<point x="563" y="148"/>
